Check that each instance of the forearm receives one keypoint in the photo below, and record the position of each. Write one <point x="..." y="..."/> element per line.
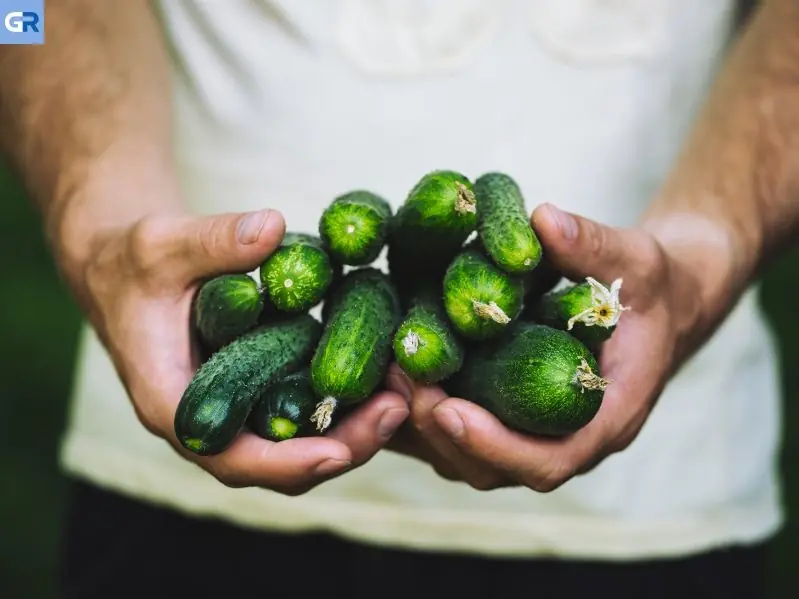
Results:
<point x="740" y="167"/>
<point x="88" y="120"/>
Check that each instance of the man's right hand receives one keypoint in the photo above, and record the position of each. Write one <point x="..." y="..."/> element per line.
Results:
<point x="137" y="288"/>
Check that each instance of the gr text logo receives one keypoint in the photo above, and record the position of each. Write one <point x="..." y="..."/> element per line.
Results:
<point x="18" y="21"/>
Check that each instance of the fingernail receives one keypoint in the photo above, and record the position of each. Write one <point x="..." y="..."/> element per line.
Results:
<point x="331" y="466"/>
<point x="566" y="223"/>
<point x="252" y="225"/>
<point x="390" y="422"/>
<point x="450" y="421"/>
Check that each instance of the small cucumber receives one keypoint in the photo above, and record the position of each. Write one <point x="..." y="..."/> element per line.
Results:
<point x="588" y="310"/>
<point x="430" y="227"/>
<point x="218" y="400"/>
<point x="354" y="227"/>
<point x="297" y="275"/>
<point x="225" y="308"/>
<point x="285" y="408"/>
<point x="504" y="227"/>
<point x="425" y="345"/>
<point x="479" y="298"/>
<point x="353" y="355"/>
<point x="543" y="279"/>
<point x="536" y="380"/>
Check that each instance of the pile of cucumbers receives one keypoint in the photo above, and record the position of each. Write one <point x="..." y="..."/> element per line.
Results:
<point x="469" y="302"/>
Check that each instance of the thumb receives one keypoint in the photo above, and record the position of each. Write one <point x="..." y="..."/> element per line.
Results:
<point x="224" y="243"/>
<point x="580" y="247"/>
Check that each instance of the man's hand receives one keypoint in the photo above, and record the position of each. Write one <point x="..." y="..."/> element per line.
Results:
<point x="675" y="301"/>
<point x="137" y="290"/>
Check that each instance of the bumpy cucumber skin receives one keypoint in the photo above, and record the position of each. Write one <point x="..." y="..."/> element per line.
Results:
<point x="368" y="215"/>
<point x="218" y="400"/>
<point x="473" y="277"/>
<point x="225" y="308"/>
<point x="527" y="380"/>
<point x="288" y="401"/>
<point x="298" y="274"/>
<point x="557" y="307"/>
<point x="438" y="215"/>
<point x="438" y="352"/>
<point x="352" y="357"/>
<point x="503" y="226"/>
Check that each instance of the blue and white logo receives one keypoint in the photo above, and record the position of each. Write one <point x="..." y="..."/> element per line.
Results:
<point x="23" y="21"/>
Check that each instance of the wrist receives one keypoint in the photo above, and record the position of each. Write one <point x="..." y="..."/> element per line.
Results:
<point x="717" y="258"/>
<point x="108" y="196"/>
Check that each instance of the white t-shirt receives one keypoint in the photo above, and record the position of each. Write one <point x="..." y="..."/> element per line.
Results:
<point x="289" y="103"/>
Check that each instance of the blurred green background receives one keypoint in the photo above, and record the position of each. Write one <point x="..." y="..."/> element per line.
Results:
<point x="39" y="326"/>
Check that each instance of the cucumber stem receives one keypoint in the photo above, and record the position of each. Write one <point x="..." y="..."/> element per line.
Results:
<point x="586" y="378"/>
<point x="490" y="310"/>
<point x="323" y="414"/>
<point x="410" y="343"/>
<point x="466" y="202"/>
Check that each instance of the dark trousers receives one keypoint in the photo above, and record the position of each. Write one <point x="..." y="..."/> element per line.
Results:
<point x="117" y="547"/>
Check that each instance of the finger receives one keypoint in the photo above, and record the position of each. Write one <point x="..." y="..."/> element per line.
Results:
<point x="299" y="463"/>
<point x="424" y="400"/>
<point x="366" y="430"/>
<point x="540" y="463"/>
<point x="199" y="247"/>
<point x="407" y="441"/>
<point x="580" y="247"/>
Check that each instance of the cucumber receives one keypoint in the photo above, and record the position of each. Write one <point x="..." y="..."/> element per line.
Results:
<point x="536" y="380"/>
<point x="479" y="298"/>
<point x="353" y="355"/>
<point x="588" y="310"/>
<point x="225" y="308"/>
<point x="430" y="227"/>
<point x="218" y="400"/>
<point x="298" y="274"/>
<point x="284" y="409"/>
<point x="543" y="279"/>
<point x="425" y="345"/>
<point x="504" y="227"/>
<point x="354" y="227"/>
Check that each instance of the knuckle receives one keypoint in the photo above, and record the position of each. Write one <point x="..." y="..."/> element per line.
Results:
<point x="228" y="478"/>
<point x="293" y="490"/>
<point x="552" y="477"/>
<point x="148" y="243"/>
<point x="484" y="481"/>
<point x="595" y="237"/>
<point x="651" y="261"/>
<point x="211" y="237"/>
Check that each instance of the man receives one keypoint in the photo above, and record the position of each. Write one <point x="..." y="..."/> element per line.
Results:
<point x="153" y="142"/>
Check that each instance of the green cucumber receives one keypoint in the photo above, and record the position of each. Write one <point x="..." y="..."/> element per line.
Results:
<point x="218" y="400"/>
<point x="543" y="279"/>
<point x="479" y="298"/>
<point x="284" y="409"/>
<point x="353" y="355"/>
<point x="297" y="275"/>
<point x="589" y="310"/>
<point x="354" y="227"/>
<point x="536" y="380"/>
<point x="225" y="308"/>
<point x="425" y="344"/>
<point x="504" y="226"/>
<point x="430" y="227"/>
